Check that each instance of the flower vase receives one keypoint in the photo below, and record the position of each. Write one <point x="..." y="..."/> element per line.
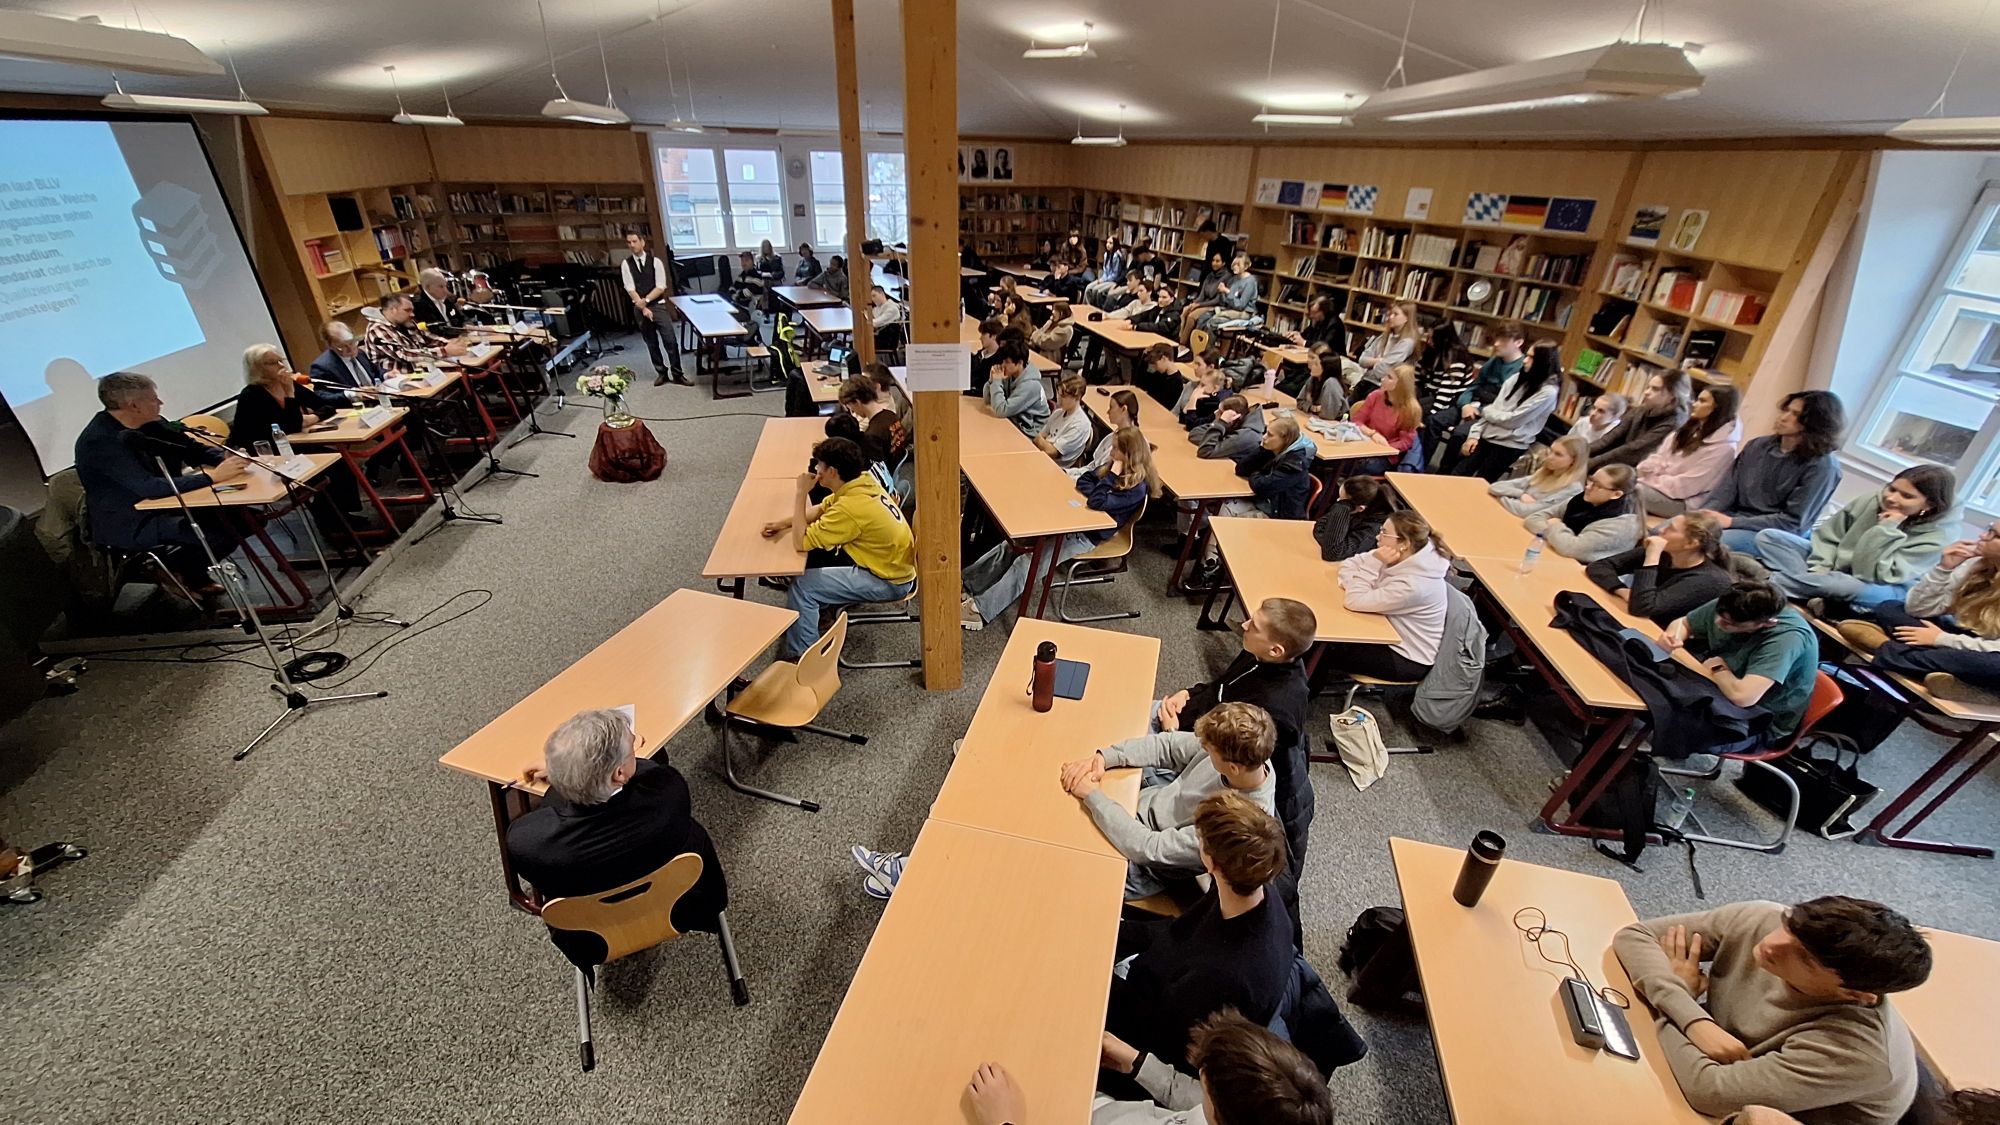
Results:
<point x="614" y="412"/>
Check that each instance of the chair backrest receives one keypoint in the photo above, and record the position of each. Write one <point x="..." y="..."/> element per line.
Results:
<point x="1826" y="695"/>
<point x="1120" y="542"/>
<point x="1198" y="341"/>
<point x="207" y="423"/>
<point x="1312" y="501"/>
<point x="819" y="664"/>
<point x="636" y="916"/>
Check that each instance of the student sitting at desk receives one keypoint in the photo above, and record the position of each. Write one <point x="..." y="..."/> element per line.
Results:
<point x="808" y="267"/>
<point x="1061" y="282"/>
<point x="1606" y="411"/>
<point x="1660" y="411"/>
<point x="1782" y="480"/>
<point x="1280" y="476"/>
<point x="1870" y="551"/>
<point x="1324" y="326"/>
<point x="1052" y="340"/>
<point x="1389" y="414"/>
<point x="1110" y="273"/>
<point x="1960" y="1107"/>
<point x="1947" y="632"/>
<point x="883" y="312"/>
<point x="1402" y="579"/>
<point x="1066" y="435"/>
<point x="1396" y="343"/>
<point x="1207" y="295"/>
<point x="857" y="519"/>
<point x="1552" y="484"/>
<point x="869" y="422"/>
<point x="611" y="817"/>
<point x="1204" y="388"/>
<point x="1139" y="298"/>
<point x="1014" y="314"/>
<point x="1121" y="409"/>
<point x="1759" y="652"/>
<point x="984" y="356"/>
<point x="1014" y="392"/>
<point x="1230" y="749"/>
<point x="834" y="278"/>
<point x="1236" y="433"/>
<point x="1679" y="474"/>
<point x="1451" y="421"/>
<point x="1671" y="573"/>
<point x="996" y="579"/>
<point x="1239" y="298"/>
<point x="746" y="291"/>
<point x="1597" y="522"/>
<point x="1349" y="524"/>
<point x="1232" y="949"/>
<point x="1505" y="428"/>
<point x="1322" y="394"/>
<point x="1792" y="1012"/>
<point x="889" y="390"/>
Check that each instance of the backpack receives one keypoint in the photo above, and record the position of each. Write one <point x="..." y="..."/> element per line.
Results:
<point x="1377" y="957"/>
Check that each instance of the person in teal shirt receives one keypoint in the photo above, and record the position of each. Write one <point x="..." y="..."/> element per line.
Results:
<point x="1759" y="651"/>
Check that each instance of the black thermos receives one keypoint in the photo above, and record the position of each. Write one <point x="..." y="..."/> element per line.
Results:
<point x="1044" y="687"/>
<point x="1482" y="859"/>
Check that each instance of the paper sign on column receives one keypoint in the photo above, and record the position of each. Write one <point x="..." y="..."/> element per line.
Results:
<point x="939" y="367"/>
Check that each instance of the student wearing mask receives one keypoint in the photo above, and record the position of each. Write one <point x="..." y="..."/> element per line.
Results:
<point x="1947" y="632"/>
<point x="1053" y="339"/>
<point x="1792" y="1009"/>
<point x="1599" y="521"/>
<point x="808" y="267"/>
<point x="1870" y="551"/>
<point x="1013" y="391"/>
<point x="1679" y="474"/>
<point x="1503" y="429"/>
<point x="1558" y="478"/>
<point x="1350" y="524"/>
<point x="1606" y="411"/>
<point x="1391" y="415"/>
<point x="1403" y="579"/>
<point x="1448" y="425"/>
<point x="1660" y="412"/>
<point x="1670" y="574"/>
<point x="1396" y="343"/>
<point x="1783" y="479"/>
<point x="1239" y="297"/>
<point x="1066" y="435"/>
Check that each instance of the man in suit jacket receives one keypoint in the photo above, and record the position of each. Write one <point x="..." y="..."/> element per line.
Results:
<point x="610" y="817"/>
<point x="115" y="462"/>
<point x="437" y="310"/>
<point x="343" y="362"/>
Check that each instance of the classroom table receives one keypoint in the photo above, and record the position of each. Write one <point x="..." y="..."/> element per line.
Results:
<point x="1117" y="335"/>
<point x="423" y="388"/>
<point x="1035" y="502"/>
<point x="1023" y="272"/>
<point x="713" y="321"/>
<point x="1471" y="519"/>
<point x="784" y="447"/>
<point x="669" y="663"/>
<point x="1280" y="559"/>
<point x="802" y="297"/>
<point x="1503" y="1044"/>
<point x="994" y="948"/>
<point x="981" y="432"/>
<point x="250" y="504"/>
<point x="1007" y="775"/>
<point x="1952" y="1014"/>
<point x="968" y="271"/>
<point x="357" y="441"/>
<point x="833" y="320"/>
<point x="741" y="551"/>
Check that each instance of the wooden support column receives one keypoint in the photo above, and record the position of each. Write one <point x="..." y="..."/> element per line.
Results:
<point x="930" y="142"/>
<point x="853" y="177"/>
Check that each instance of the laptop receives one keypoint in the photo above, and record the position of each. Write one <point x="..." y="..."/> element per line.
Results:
<point x="836" y="363"/>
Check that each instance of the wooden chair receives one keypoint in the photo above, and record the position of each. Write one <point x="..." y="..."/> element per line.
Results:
<point x="636" y="916"/>
<point x="787" y="696"/>
<point x="903" y="611"/>
<point x="1826" y="695"/>
<point x="1113" y="550"/>
<point x="1198" y="341"/>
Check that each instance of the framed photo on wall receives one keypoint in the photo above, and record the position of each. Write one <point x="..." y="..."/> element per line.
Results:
<point x="1003" y="165"/>
<point x="982" y="170"/>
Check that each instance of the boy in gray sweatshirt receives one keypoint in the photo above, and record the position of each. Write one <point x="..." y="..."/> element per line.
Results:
<point x="1230" y="749"/>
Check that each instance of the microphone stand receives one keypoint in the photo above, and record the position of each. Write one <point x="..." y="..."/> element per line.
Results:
<point x="551" y="383"/>
<point x="226" y="574"/>
<point x="493" y="466"/>
<point x="447" y="481"/>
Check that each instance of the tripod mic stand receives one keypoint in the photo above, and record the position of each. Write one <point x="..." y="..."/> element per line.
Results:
<point x="225" y="573"/>
<point x="446" y="482"/>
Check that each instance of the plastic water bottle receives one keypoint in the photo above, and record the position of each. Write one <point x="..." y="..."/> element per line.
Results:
<point x="1532" y="556"/>
<point x="1270" y="380"/>
<point x="279" y="441"/>
<point x="1676" y="804"/>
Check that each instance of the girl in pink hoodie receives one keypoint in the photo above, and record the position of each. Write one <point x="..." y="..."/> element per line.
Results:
<point x="1680" y="474"/>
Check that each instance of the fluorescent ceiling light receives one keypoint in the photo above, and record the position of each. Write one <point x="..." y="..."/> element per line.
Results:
<point x="1523" y="105"/>
<point x="1107" y="142"/>
<point x="569" y="109"/>
<point x="679" y="126"/>
<point x="87" y="42"/>
<point x="1301" y="119"/>
<point x="1618" y="70"/>
<point x="1073" y="51"/>
<point x="405" y="117"/>
<point x="1975" y="131"/>
<point x="240" y="106"/>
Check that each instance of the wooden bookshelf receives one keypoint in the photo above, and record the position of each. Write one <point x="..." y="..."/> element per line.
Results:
<point x="1653" y="308"/>
<point x="542" y="223"/>
<point x="348" y="269"/>
<point x="1008" y="222"/>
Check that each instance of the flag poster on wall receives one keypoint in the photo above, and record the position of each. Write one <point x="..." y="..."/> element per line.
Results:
<point x="1558" y="214"/>
<point x="1354" y="199"/>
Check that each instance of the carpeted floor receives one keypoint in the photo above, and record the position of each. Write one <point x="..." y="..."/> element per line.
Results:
<point x="319" y="933"/>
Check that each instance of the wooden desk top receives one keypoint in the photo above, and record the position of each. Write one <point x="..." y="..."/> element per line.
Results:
<point x="350" y="431"/>
<point x="1952" y="1014"/>
<point x="1006" y="777"/>
<point x="1037" y="296"/>
<point x="1967" y="712"/>
<point x="982" y="432"/>
<point x="1470" y="519"/>
<point x="1502" y="1041"/>
<point x="1280" y="559"/>
<point x="805" y="296"/>
<point x="994" y="948"/>
<point x="712" y="317"/>
<point x="670" y="663"/>
<point x="784" y="448"/>
<point x="1030" y="496"/>
<point x="968" y="334"/>
<point x="475" y="357"/>
<point x="829" y="320"/>
<point x="1157" y="421"/>
<point x="1120" y="334"/>
<point x="1283" y="353"/>
<point x="260" y="487"/>
<point x="444" y="380"/>
<point x="1024" y="272"/>
<point x="966" y="271"/>
<point x="740" y="550"/>
<point x="1530" y="599"/>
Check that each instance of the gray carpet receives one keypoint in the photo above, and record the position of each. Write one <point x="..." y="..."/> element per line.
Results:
<point x="320" y="932"/>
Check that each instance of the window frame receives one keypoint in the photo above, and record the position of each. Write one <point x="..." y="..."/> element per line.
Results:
<point x="719" y="148"/>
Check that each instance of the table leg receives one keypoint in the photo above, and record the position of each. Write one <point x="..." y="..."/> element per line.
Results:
<point x="410" y="459"/>
<point x="1880" y="831"/>
<point x="1227" y="591"/>
<point x="1034" y="567"/>
<point x="1603" y="747"/>
<point x="358" y="465"/>
<point x="1049" y="575"/>
<point x="1196" y="527"/>
<point x="715" y="390"/>
<point x="731" y="586"/>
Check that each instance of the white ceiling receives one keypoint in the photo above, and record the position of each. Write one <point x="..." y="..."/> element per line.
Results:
<point x="1186" y="68"/>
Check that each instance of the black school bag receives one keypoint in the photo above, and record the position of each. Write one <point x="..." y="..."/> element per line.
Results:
<point x="1378" y="959"/>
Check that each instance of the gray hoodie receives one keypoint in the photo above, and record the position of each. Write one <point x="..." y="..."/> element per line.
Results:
<point x="1216" y="440"/>
<point x="1159" y="832"/>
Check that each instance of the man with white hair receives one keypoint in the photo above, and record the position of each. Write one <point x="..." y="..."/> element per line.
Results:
<point x="611" y="817"/>
<point x="343" y="363"/>
<point x="437" y="309"/>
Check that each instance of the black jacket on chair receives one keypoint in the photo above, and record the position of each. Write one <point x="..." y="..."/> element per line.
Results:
<point x="1688" y="714"/>
<point x="565" y="849"/>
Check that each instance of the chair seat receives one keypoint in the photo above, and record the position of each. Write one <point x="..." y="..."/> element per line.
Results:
<point x="774" y="698"/>
<point x="1361" y="678"/>
<point x="1116" y="547"/>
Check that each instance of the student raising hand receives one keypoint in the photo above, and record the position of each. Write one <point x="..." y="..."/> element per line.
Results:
<point x="995" y="1098"/>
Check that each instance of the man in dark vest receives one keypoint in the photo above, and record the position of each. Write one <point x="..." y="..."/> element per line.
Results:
<point x="646" y="283"/>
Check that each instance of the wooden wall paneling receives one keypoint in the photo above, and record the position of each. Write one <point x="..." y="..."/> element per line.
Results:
<point x="277" y="260"/>
<point x="307" y="155"/>
<point x="531" y="154"/>
<point x="1206" y="172"/>
<point x="1760" y="203"/>
<point x="1453" y="174"/>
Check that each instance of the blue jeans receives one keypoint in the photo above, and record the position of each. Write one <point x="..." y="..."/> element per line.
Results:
<point x="1784" y="555"/>
<point x="827" y="587"/>
<point x="1741" y="540"/>
<point x="996" y="579"/>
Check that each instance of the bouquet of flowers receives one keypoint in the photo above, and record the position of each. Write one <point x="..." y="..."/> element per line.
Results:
<point x="610" y="384"/>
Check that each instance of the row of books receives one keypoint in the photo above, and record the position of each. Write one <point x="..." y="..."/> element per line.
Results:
<point x="1424" y="285"/>
<point x="1015" y="224"/>
<point x="1729" y="306"/>
<point x="567" y="200"/>
<point x="1533" y="302"/>
<point x="1012" y="201"/>
<point x="326" y="256"/>
<point x="413" y="206"/>
<point x="1676" y="288"/>
<point x="1377" y="242"/>
<point x="493" y="202"/>
<point x="1372" y="275"/>
<point x="1432" y="249"/>
<point x="1563" y="269"/>
<point x="592" y="233"/>
<point x="584" y="257"/>
<point x="389" y="242"/>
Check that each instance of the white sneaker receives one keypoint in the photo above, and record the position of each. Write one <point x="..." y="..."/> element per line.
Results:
<point x="968" y="615"/>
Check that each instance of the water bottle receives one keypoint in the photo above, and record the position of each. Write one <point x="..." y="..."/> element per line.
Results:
<point x="1270" y="380"/>
<point x="1042" y="689"/>
<point x="280" y="442"/>
<point x="1676" y="804"/>
<point x="1533" y="555"/>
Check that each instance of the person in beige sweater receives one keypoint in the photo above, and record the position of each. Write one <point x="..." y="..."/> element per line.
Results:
<point x="1792" y="1013"/>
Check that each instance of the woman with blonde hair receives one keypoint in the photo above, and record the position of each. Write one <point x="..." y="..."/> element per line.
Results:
<point x="996" y="579"/>
<point x="1391" y="415"/>
<point x="1395" y="344"/>
<point x="1554" y="481"/>
<point x="271" y="397"/>
<point x="1948" y="630"/>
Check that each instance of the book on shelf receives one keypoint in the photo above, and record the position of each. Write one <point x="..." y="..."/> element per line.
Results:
<point x="1563" y="269"/>
<point x="1704" y="345"/>
<point x="1377" y="276"/>
<point x="1511" y="259"/>
<point x="1424" y="285"/>
<point x="1284" y="322"/>
<point x="1377" y="242"/>
<point x="1291" y="293"/>
<point x="1226" y="222"/>
<point x="1626" y="277"/>
<point x="315" y="249"/>
<point x="1675" y="289"/>
<point x="1533" y="302"/>
<point x="1588" y="362"/>
<point x="1336" y="238"/>
<point x="1728" y="306"/>
<point x="389" y="242"/>
<point x="1473" y="334"/>
<point x="1432" y="250"/>
<point x="1610" y="319"/>
<point x="1305" y="265"/>
<point x="1303" y="231"/>
<point x="1665" y="340"/>
<point x="1480" y="256"/>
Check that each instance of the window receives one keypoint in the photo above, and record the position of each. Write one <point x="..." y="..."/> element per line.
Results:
<point x="728" y="199"/>
<point x="829" y="206"/>
<point x="888" y="198"/>
<point x="1942" y="402"/>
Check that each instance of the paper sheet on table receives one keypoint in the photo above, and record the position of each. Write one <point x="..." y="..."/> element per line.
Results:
<point x="939" y="367"/>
